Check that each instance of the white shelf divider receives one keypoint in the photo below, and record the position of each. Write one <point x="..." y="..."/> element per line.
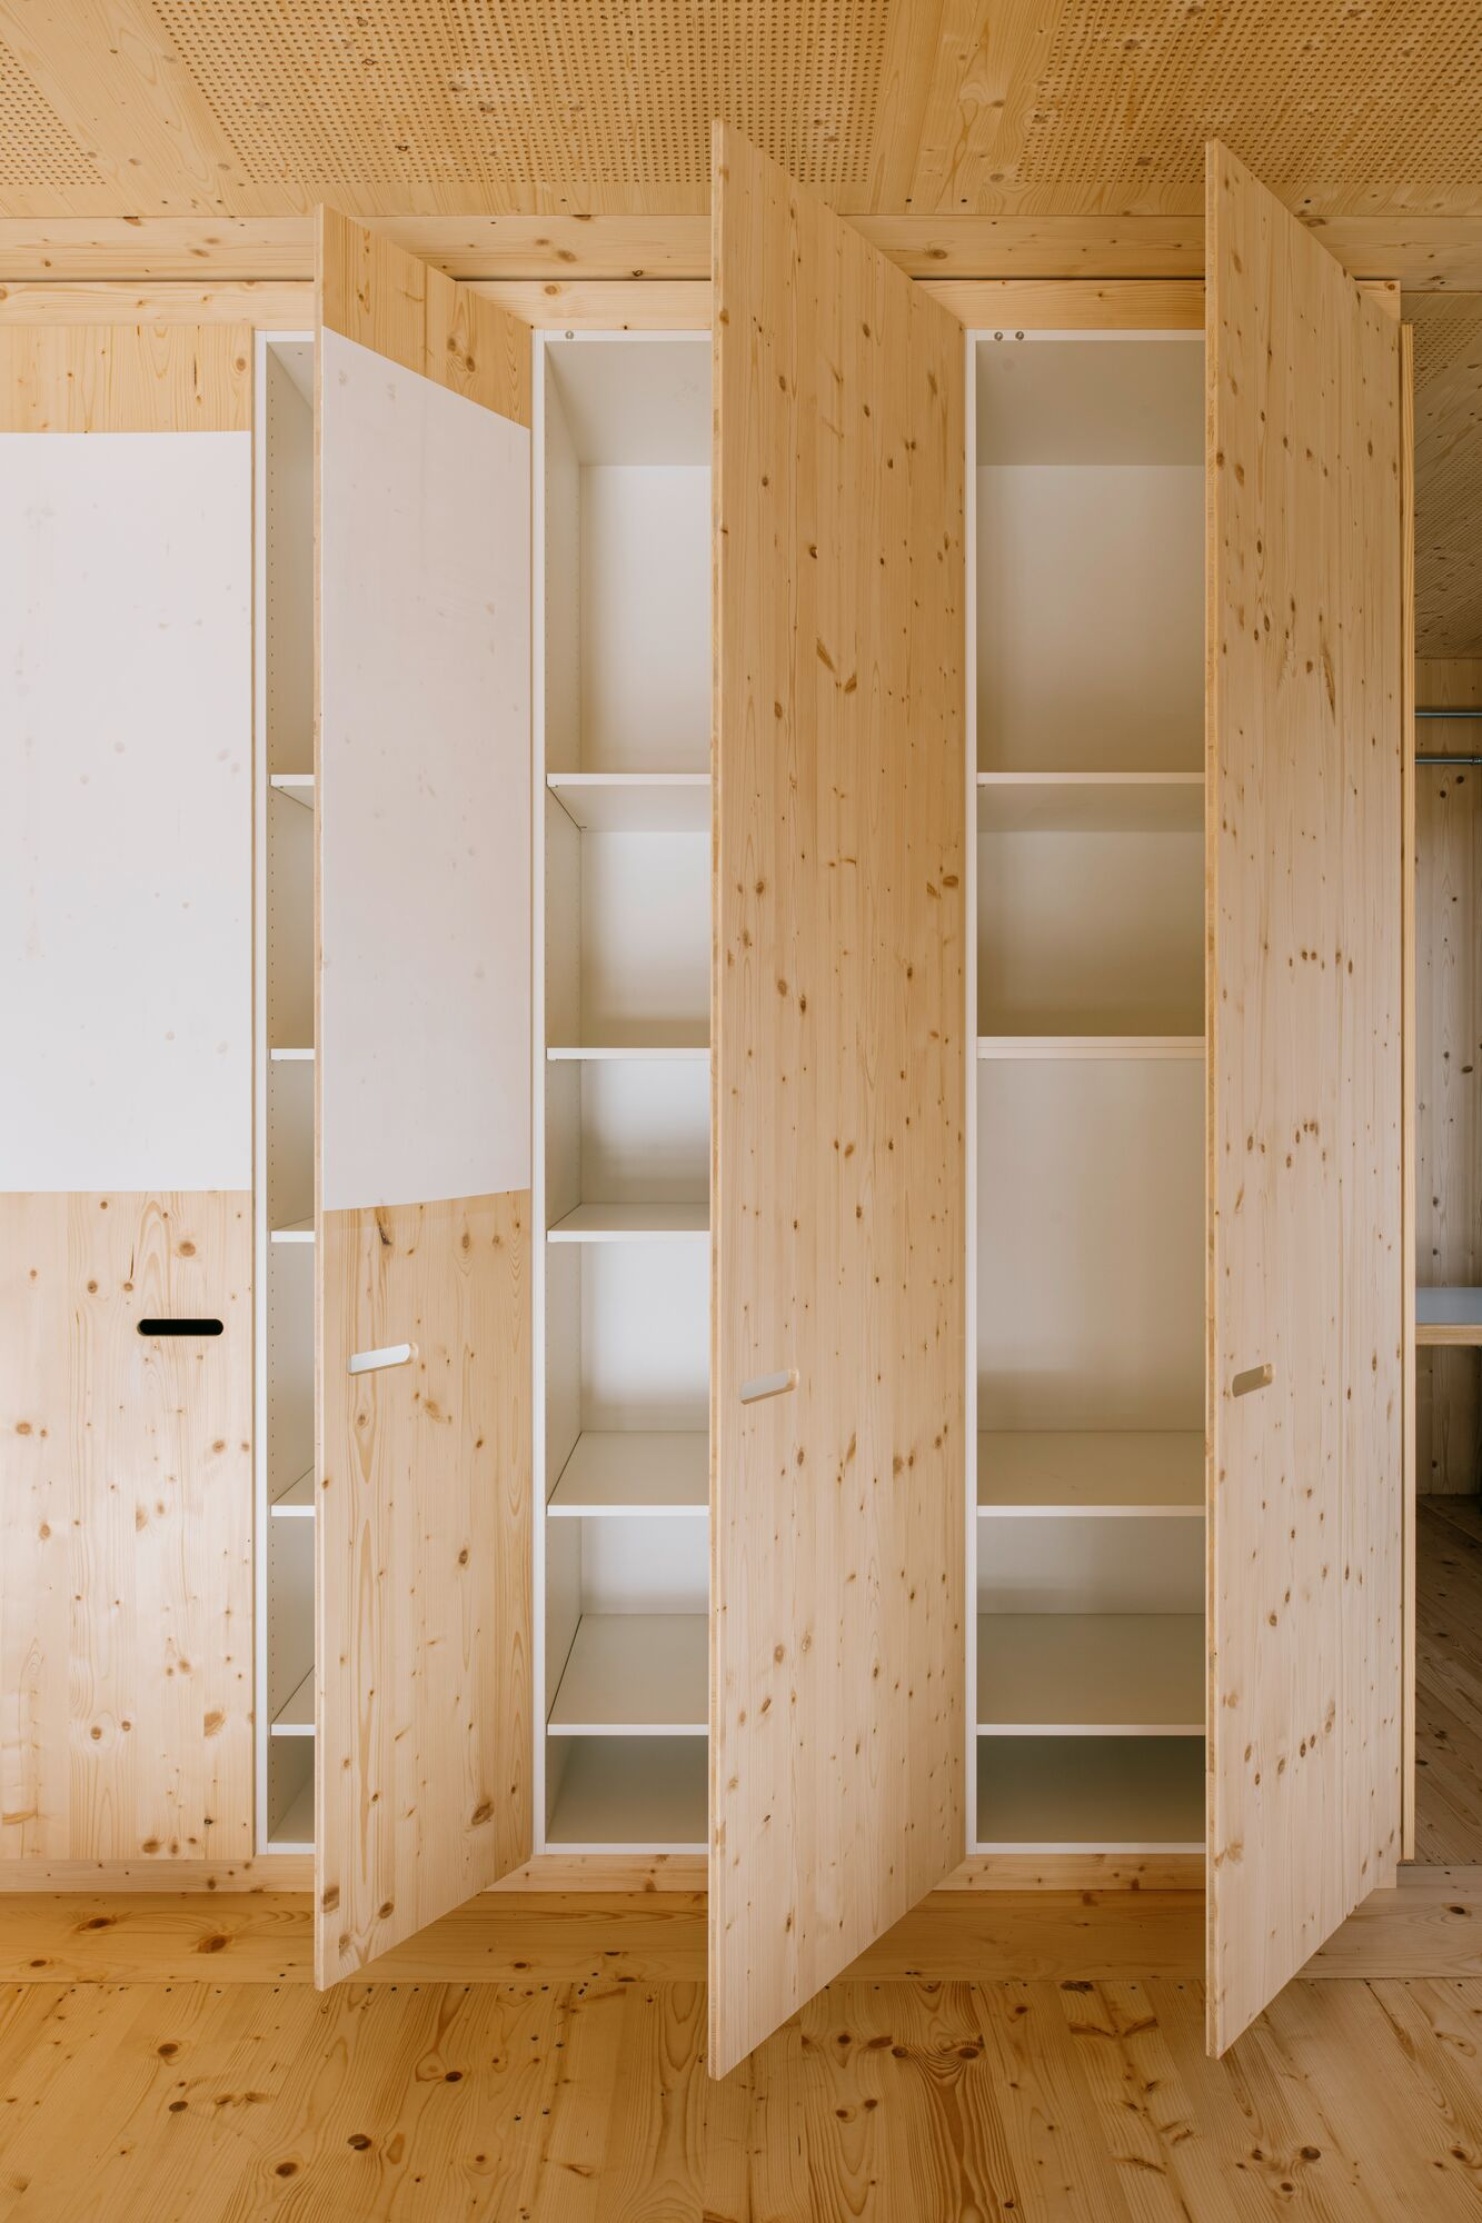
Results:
<point x="297" y="1501"/>
<point x="297" y="1231"/>
<point x="295" y="1717"/>
<point x="627" y="1223"/>
<point x="634" y="802"/>
<point x="595" y="1053"/>
<point x="635" y="1675"/>
<point x="640" y="1473"/>
<point x="297" y="786"/>
<point x="1090" y="1674"/>
<point x="1118" y="1474"/>
<point x="1051" y="1047"/>
<point x="291" y="1057"/>
<point x="1090" y="802"/>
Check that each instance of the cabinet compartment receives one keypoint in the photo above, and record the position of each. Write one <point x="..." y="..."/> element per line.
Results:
<point x="1091" y="1794"/>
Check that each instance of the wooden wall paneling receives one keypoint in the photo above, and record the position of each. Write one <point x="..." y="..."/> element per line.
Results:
<point x="126" y="1669"/>
<point x="267" y="306"/>
<point x="118" y="375"/>
<point x="837" y="1702"/>
<point x="423" y="1781"/>
<point x="1305" y="745"/>
<point x="1407" y="1077"/>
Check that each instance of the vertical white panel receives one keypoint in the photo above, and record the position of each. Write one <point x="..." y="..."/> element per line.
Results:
<point x="126" y="810"/>
<point x="424" y="793"/>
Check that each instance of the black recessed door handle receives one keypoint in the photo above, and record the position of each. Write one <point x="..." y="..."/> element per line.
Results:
<point x="180" y="1327"/>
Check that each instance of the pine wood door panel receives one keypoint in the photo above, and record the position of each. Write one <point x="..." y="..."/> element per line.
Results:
<point x="839" y="1240"/>
<point x="1305" y="751"/>
<point x="423" y="1728"/>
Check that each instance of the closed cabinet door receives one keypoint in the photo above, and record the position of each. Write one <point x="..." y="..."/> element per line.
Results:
<point x="423" y="1205"/>
<point x="1306" y="690"/>
<point x="837" y="1653"/>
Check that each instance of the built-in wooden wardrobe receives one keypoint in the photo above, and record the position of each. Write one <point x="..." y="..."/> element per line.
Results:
<point x="831" y="1278"/>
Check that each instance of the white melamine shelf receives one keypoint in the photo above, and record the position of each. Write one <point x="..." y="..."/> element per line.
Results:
<point x="297" y="1500"/>
<point x="628" y="1223"/>
<point x="592" y="1053"/>
<point x="291" y="1057"/>
<point x="651" y="1793"/>
<point x="638" y="1473"/>
<point x="295" y="1832"/>
<point x="297" y="786"/>
<point x="1448" y="1316"/>
<point x="1090" y="802"/>
<point x="1104" y="1795"/>
<point x="297" y="1231"/>
<point x="634" y="802"/>
<point x="1118" y="1473"/>
<point x="635" y="1675"/>
<point x="1090" y="1674"/>
<point x="1060" y="1046"/>
<point x="295" y="1718"/>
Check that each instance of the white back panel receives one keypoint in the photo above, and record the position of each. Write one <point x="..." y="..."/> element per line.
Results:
<point x="424" y="789"/>
<point x="126" y="810"/>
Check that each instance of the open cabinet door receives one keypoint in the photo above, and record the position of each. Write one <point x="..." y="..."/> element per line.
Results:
<point x="1305" y="753"/>
<point x="839" y="1234"/>
<point x="423" y="794"/>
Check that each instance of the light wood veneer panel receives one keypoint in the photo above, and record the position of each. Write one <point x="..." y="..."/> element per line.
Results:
<point x="423" y="1723"/>
<point x="127" y="377"/>
<point x="837" y="1670"/>
<point x="1305" y="751"/>
<point x="126" y="1574"/>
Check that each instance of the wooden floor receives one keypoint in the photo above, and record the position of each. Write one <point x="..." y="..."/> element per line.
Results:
<point x="1351" y="2102"/>
<point x="1448" y="1681"/>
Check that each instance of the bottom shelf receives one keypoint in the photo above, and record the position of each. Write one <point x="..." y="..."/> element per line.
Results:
<point x="628" y="1794"/>
<point x="1091" y="1794"/>
<point x="295" y="1830"/>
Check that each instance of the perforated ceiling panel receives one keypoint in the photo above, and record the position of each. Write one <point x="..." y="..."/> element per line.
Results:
<point x="610" y="91"/>
<point x="1336" y="91"/>
<point x="1448" y="473"/>
<point x="35" y="149"/>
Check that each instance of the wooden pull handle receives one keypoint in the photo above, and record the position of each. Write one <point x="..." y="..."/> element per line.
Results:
<point x="1254" y="1377"/>
<point x="769" y="1385"/>
<point x="390" y="1354"/>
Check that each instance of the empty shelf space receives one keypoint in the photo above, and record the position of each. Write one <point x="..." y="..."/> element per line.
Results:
<point x="632" y="1793"/>
<point x="297" y="786"/>
<point x="635" y="1674"/>
<point x="634" y="802"/>
<point x="291" y="1056"/>
<point x="295" y="1830"/>
<point x="644" y="1472"/>
<point x="1111" y="1474"/>
<point x="1059" y="1046"/>
<point x="295" y="1717"/>
<point x="1093" y="1795"/>
<point x="297" y="1231"/>
<point x="1451" y="1316"/>
<point x="593" y="1052"/>
<point x="1091" y="1674"/>
<point x="624" y="1223"/>
<point x="297" y="1500"/>
<point x="1090" y="802"/>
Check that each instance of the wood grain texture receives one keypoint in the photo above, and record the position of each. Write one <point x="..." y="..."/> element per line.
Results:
<point x="837" y="1662"/>
<point x="125" y="377"/>
<point x="126" y="1579"/>
<point x="382" y="297"/>
<point x="1448" y="1681"/>
<point x="265" y="305"/>
<point x="423" y="1783"/>
<point x="1408" y="1358"/>
<point x="1305" y="748"/>
<point x="1087" y="2102"/>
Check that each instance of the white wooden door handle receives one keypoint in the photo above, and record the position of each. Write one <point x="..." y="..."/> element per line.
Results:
<point x="390" y="1354"/>
<point x="1254" y="1377"/>
<point x="769" y="1385"/>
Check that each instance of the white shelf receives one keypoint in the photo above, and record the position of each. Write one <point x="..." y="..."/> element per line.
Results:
<point x="297" y="1501"/>
<point x="297" y="1231"/>
<point x="1091" y="1674"/>
<point x="639" y="1473"/>
<point x="593" y="1053"/>
<point x="1059" y="1046"/>
<point x="650" y="1793"/>
<point x="1111" y="1475"/>
<point x="634" y="802"/>
<point x="297" y="786"/>
<point x="1090" y="802"/>
<point x="295" y="1717"/>
<point x="291" y="1057"/>
<point x="295" y="1832"/>
<point x="1122" y="1795"/>
<point x="1448" y="1316"/>
<point x="635" y="1675"/>
<point x="625" y="1223"/>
